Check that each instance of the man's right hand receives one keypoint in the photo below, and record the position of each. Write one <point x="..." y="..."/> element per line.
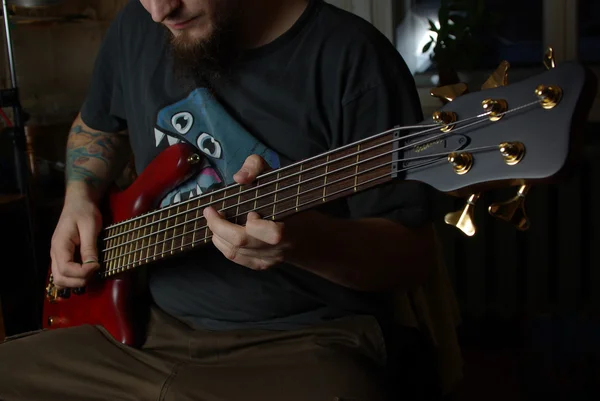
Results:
<point x="73" y="249"/>
<point x="94" y="160"/>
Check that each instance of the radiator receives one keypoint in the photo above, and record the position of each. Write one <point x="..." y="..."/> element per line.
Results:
<point x="552" y="269"/>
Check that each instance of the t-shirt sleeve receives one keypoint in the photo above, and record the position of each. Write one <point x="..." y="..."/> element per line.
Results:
<point x="103" y="108"/>
<point x="376" y="109"/>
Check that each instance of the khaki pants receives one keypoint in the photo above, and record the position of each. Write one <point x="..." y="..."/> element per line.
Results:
<point x="341" y="360"/>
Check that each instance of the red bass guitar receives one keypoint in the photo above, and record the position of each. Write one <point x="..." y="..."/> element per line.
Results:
<point x="503" y="135"/>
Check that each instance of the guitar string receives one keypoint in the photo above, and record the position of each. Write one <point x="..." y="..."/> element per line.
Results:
<point x="256" y="188"/>
<point x="266" y="184"/>
<point x="434" y="127"/>
<point x="268" y="194"/>
<point x="172" y="228"/>
<point x="130" y="265"/>
<point x="183" y="234"/>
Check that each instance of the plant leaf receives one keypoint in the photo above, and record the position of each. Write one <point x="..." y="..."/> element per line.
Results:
<point x="432" y="26"/>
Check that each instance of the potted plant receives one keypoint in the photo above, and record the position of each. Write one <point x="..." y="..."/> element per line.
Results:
<point x="461" y="37"/>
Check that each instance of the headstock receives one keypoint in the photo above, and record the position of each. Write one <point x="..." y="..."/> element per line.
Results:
<point x="504" y="135"/>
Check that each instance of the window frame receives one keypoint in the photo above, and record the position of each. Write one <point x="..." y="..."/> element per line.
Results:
<point x="560" y="31"/>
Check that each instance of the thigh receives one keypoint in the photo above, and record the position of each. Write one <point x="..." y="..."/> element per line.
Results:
<point x="328" y="364"/>
<point x="319" y="376"/>
<point x="81" y="363"/>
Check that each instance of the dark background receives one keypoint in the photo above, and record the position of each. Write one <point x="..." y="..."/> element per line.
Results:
<point x="530" y="301"/>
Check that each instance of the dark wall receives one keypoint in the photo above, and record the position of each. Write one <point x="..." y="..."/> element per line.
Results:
<point x="536" y="294"/>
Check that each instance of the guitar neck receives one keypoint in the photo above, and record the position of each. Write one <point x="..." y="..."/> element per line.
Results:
<point x="278" y="194"/>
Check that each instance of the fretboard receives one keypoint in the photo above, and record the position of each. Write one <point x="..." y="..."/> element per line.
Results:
<point x="275" y="195"/>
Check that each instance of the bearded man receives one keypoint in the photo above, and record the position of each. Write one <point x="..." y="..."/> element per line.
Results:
<point x="297" y="309"/>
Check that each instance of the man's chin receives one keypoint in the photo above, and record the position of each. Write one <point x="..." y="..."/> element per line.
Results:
<point x="193" y="34"/>
<point x="205" y="52"/>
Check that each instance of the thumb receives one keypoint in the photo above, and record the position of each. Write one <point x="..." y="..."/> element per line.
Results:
<point x="253" y="166"/>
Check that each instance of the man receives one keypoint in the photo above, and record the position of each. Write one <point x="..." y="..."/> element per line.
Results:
<point x="291" y="310"/>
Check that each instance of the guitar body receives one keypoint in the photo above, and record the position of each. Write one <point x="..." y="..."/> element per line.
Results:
<point x="118" y="303"/>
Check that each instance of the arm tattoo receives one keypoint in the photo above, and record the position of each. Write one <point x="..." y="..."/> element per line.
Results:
<point x="91" y="155"/>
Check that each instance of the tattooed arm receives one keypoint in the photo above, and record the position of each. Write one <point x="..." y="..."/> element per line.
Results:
<point x="94" y="160"/>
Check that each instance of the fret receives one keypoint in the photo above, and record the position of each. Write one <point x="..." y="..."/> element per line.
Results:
<point x="298" y="188"/>
<point x="356" y="172"/>
<point x="196" y="219"/>
<point x="150" y="236"/>
<point x="207" y="232"/>
<point x="134" y="243"/>
<point x="247" y="201"/>
<point x="342" y="176"/>
<point x="128" y="247"/>
<point x="174" y="228"/>
<point x="237" y="206"/>
<point x="165" y="230"/>
<point x="224" y="203"/>
<point x="110" y="261"/>
<point x="286" y="199"/>
<point x="158" y="235"/>
<point x="311" y="187"/>
<point x="274" y="212"/>
<point x="121" y="242"/>
<point x="135" y="234"/>
<point x="265" y="195"/>
<point x="325" y="179"/>
<point x="139" y="242"/>
<point x="185" y="220"/>
<point x="230" y="208"/>
<point x="143" y="223"/>
<point x="378" y="169"/>
<point x="110" y="244"/>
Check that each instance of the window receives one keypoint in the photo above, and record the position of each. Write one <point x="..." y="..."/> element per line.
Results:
<point x="512" y="30"/>
<point x="589" y="31"/>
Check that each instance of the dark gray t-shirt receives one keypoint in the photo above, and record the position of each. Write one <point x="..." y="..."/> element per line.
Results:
<point x="330" y="80"/>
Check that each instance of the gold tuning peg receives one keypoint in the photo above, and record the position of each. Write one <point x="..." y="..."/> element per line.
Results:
<point x="449" y="92"/>
<point x="513" y="210"/>
<point x="498" y="77"/>
<point x="464" y="219"/>
<point x="549" y="61"/>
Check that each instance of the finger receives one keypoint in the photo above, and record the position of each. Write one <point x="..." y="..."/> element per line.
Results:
<point x="65" y="266"/>
<point x="267" y="231"/>
<point x="229" y="232"/>
<point x="67" y="282"/>
<point x="87" y="246"/>
<point x="60" y="281"/>
<point x="240" y="256"/>
<point x="252" y="167"/>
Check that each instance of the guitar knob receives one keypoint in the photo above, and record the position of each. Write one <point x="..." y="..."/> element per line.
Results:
<point x="64" y="293"/>
<point x="464" y="219"/>
<point x="513" y="210"/>
<point x="79" y="291"/>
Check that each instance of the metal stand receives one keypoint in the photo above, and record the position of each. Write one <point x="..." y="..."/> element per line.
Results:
<point x="10" y="98"/>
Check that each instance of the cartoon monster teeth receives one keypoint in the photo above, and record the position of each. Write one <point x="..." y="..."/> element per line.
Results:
<point x="159" y="136"/>
<point x="172" y="141"/>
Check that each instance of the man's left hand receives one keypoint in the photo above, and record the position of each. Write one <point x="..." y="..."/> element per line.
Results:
<point x="258" y="245"/>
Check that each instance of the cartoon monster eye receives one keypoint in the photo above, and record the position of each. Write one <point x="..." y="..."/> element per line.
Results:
<point x="182" y="122"/>
<point x="209" y="145"/>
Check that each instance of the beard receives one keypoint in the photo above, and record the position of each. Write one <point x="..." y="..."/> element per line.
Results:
<point x="208" y="60"/>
